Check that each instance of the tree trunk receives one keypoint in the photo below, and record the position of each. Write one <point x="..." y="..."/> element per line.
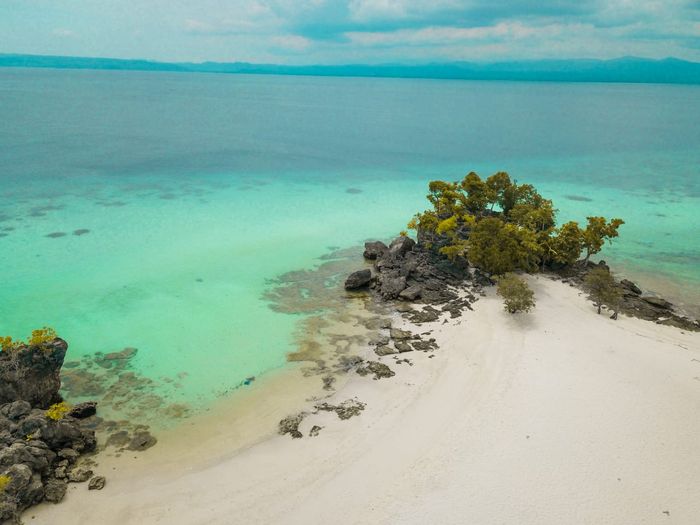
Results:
<point x="599" y="305"/>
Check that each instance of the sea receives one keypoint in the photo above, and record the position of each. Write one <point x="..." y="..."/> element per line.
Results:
<point x="158" y="211"/>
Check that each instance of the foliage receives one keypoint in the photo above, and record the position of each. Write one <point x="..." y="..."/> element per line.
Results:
<point x="603" y="289"/>
<point x="58" y="411"/>
<point x="500" y="226"/>
<point x="38" y="337"/>
<point x="8" y="345"/>
<point x="41" y="336"/>
<point x="5" y="480"/>
<point x="517" y="295"/>
<point x="597" y="232"/>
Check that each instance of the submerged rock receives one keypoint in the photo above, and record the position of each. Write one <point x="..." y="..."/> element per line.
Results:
<point x="358" y="279"/>
<point x="141" y="441"/>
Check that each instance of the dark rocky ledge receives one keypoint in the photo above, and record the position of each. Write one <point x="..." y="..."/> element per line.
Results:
<point x="39" y="454"/>
<point x="634" y="301"/>
<point x="406" y="271"/>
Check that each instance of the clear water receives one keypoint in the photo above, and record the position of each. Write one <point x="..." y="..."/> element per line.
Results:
<point x="198" y="189"/>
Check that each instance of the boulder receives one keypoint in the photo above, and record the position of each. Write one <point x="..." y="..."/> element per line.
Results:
<point x="397" y="333"/>
<point x="401" y="246"/>
<point x="383" y="350"/>
<point x="375" y="250"/>
<point x="411" y="293"/>
<point x="55" y="490"/>
<point x="97" y="483"/>
<point x="628" y="285"/>
<point x="32" y="373"/>
<point x="83" y="410"/>
<point x="658" y="302"/>
<point x="358" y="279"/>
<point x="391" y="287"/>
<point x="16" y="410"/>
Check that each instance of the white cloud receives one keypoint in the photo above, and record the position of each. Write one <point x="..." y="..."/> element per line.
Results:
<point x="445" y="35"/>
<point x="292" y="42"/>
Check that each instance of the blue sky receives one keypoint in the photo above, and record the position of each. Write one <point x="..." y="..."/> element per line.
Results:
<point x="351" y="31"/>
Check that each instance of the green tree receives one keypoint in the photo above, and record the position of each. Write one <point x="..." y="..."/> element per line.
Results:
<point x="499" y="247"/>
<point x="517" y="295"/>
<point x="603" y="289"/>
<point x="499" y="226"/>
<point x="567" y="244"/>
<point x="597" y="232"/>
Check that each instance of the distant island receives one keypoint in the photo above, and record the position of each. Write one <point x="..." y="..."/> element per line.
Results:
<point x="626" y="69"/>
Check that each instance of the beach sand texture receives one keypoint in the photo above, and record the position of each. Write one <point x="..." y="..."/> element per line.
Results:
<point x="558" y="416"/>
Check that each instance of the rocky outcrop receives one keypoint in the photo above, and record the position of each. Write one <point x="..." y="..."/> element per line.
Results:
<point x="358" y="279"/>
<point x="633" y="300"/>
<point x="39" y="451"/>
<point x="374" y="250"/>
<point x="32" y="373"/>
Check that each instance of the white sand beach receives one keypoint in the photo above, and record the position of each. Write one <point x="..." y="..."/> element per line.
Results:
<point x="555" y="417"/>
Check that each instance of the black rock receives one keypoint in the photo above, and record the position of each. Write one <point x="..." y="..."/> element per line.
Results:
<point x="411" y="293"/>
<point x="358" y="279"/>
<point x="375" y="250"/>
<point x="658" y="302"/>
<point x="32" y="374"/>
<point x="630" y="286"/>
<point x="83" y="410"/>
<point x="401" y="246"/>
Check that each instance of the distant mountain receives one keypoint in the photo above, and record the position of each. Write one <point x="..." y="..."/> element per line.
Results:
<point x="628" y="69"/>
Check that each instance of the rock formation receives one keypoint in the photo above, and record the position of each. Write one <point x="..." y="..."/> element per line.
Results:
<point x="39" y="448"/>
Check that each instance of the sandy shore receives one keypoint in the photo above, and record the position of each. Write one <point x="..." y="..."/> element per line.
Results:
<point x="559" y="416"/>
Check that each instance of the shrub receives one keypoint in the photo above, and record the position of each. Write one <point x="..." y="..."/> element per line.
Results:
<point x="603" y="289"/>
<point x="41" y="336"/>
<point x="58" y="411"/>
<point x="38" y="337"/>
<point x="517" y="295"/>
<point x="4" y="482"/>
<point x="8" y="345"/>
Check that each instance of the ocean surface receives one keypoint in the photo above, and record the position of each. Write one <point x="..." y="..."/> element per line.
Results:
<point x="155" y="210"/>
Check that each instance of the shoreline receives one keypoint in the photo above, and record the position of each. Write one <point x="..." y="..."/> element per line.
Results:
<point x="409" y="418"/>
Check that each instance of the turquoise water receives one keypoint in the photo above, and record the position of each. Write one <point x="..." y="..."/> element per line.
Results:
<point x="198" y="189"/>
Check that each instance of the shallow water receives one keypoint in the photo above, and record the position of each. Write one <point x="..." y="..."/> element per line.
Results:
<point x="156" y="210"/>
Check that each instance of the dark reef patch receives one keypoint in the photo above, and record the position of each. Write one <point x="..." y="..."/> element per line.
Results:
<point x="578" y="198"/>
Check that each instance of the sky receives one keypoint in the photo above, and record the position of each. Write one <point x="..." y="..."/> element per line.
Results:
<point x="351" y="31"/>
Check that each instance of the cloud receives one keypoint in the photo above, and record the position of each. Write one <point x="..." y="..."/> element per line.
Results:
<point x="342" y="31"/>
<point x="294" y="43"/>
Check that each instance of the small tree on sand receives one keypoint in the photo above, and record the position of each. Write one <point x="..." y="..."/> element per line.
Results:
<point x="517" y="296"/>
<point x="603" y="289"/>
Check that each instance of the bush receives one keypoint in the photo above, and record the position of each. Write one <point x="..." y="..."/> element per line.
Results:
<point x="603" y="289"/>
<point x="5" y="480"/>
<point x="38" y="338"/>
<point x="58" y="411"/>
<point x="41" y="336"/>
<point x="517" y="295"/>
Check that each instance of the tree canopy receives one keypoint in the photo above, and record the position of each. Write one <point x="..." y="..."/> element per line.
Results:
<point x="499" y="226"/>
